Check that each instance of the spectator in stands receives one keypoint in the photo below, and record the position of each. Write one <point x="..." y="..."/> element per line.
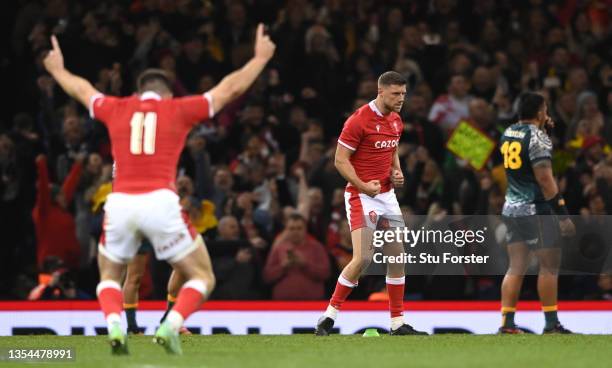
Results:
<point x="55" y="226"/>
<point x="201" y="213"/>
<point x="228" y="228"/>
<point x="423" y="181"/>
<point x="65" y="149"/>
<point x="483" y="83"/>
<point x="237" y="269"/>
<point x="55" y="282"/>
<point x="419" y="130"/>
<point x="449" y="109"/>
<point x="342" y="249"/>
<point x="223" y="184"/>
<point x="297" y="266"/>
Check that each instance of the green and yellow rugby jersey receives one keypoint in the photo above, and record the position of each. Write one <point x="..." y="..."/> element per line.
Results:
<point x="521" y="146"/>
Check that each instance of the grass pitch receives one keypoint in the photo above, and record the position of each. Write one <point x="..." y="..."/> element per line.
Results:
<point x="334" y="351"/>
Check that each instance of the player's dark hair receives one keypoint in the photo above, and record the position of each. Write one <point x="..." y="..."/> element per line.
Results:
<point x="529" y="105"/>
<point x="391" y="78"/>
<point x="155" y="80"/>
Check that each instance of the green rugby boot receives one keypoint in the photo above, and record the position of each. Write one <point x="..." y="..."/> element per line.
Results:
<point x="168" y="339"/>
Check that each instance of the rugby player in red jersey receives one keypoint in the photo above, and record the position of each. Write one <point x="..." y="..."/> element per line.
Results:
<point x="366" y="156"/>
<point x="147" y="133"/>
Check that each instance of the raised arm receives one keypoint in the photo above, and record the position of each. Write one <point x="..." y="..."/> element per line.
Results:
<point x="73" y="178"/>
<point x="43" y="195"/>
<point x="236" y="83"/>
<point x="76" y="87"/>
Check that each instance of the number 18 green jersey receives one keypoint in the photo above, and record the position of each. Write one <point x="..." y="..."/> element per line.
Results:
<point x="522" y="145"/>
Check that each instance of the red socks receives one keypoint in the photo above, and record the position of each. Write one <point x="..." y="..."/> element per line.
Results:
<point x="395" y="288"/>
<point x="342" y="291"/>
<point x="190" y="298"/>
<point x="111" y="300"/>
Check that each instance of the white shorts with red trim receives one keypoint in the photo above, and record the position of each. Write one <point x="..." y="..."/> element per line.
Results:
<point x="155" y="215"/>
<point x="380" y="211"/>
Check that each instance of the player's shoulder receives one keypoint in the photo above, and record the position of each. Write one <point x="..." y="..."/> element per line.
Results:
<point x="176" y="100"/>
<point x="359" y="116"/>
<point x="364" y="111"/>
<point x="119" y="100"/>
<point x="539" y="135"/>
<point x="103" y="106"/>
<point x="539" y="141"/>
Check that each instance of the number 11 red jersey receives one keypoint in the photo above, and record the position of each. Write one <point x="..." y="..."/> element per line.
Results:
<point x="147" y="136"/>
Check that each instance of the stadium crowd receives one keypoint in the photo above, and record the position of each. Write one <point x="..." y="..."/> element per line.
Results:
<point x="250" y="177"/>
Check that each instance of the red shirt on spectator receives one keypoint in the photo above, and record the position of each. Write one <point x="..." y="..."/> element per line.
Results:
<point x="297" y="280"/>
<point x="55" y="227"/>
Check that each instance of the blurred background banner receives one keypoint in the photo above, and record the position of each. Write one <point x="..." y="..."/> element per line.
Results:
<point x="83" y="318"/>
<point x="271" y="152"/>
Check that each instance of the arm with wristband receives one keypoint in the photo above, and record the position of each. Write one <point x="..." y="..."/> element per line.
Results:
<point x="543" y="172"/>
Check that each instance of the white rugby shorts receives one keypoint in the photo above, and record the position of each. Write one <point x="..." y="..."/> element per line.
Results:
<point x="380" y="211"/>
<point x="155" y="215"/>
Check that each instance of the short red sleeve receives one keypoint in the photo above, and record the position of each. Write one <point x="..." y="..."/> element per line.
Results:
<point x="102" y="107"/>
<point x="195" y="109"/>
<point x="351" y="133"/>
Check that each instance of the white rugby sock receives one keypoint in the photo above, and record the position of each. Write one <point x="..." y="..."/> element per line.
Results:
<point x="175" y="320"/>
<point x="331" y="312"/>
<point x="112" y="318"/>
<point x="397" y="322"/>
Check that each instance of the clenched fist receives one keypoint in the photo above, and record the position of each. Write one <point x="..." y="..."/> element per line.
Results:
<point x="371" y="188"/>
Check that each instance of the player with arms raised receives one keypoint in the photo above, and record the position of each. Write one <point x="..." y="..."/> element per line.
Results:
<point x="366" y="156"/>
<point x="534" y="212"/>
<point x="147" y="133"/>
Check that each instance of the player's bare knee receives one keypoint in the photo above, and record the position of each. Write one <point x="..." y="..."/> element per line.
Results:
<point x="361" y="262"/>
<point x="518" y="266"/>
<point x="517" y="270"/>
<point x="549" y="262"/>
<point x="549" y="270"/>
<point x="132" y="281"/>
<point x="210" y="281"/>
<point x="205" y="281"/>
<point x="175" y="283"/>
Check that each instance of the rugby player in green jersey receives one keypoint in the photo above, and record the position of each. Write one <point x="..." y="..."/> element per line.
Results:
<point x="534" y="212"/>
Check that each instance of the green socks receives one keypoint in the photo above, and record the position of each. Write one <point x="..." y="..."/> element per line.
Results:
<point x="130" y="315"/>
<point x="171" y="301"/>
<point x="508" y="316"/>
<point x="550" y="315"/>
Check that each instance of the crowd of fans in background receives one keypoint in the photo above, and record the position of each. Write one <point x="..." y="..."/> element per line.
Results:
<point x="250" y="177"/>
